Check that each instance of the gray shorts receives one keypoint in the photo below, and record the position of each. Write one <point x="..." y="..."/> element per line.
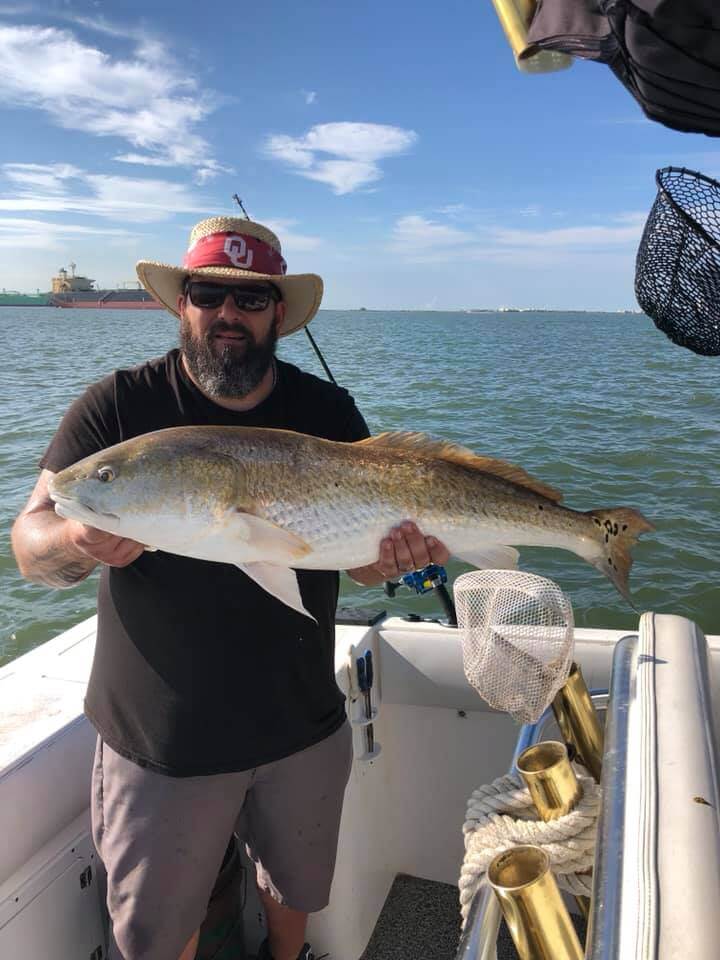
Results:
<point x="162" y="839"/>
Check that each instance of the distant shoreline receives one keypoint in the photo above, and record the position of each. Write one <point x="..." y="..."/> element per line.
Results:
<point x="474" y="310"/>
<point x="462" y="310"/>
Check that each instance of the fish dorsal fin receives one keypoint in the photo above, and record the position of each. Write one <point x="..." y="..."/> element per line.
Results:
<point x="420" y="445"/>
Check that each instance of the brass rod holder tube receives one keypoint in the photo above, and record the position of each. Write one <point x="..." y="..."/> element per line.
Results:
<point x="536" y="916"/>
<point x="553" y="786"/>
<point x="515" y="18"/>
<point x="579" y="722"/>
<point x="550" y="778"/>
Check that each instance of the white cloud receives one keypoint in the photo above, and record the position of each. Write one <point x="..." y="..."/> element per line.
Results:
<point x="414" y="234"/>
<point x="291" y="241"/>
<point x="16" y="232"/>
<point x="34" y="176"/>
<point x="359" y="141"/>
<point x="626" y="229"/>
<point x="61" y="188"/>
<point x="291" y="151"/>
<point x="416" y="239"/>
<point x="145" y="100"/>
<point x="134" y="199"/>
<point x="344" y="176"/>
<point x="145" y="160"/>
<point x="310" y="96"/>
<point x="354" y="148"/>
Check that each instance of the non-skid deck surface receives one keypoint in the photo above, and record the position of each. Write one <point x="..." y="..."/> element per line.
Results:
<point x="420" y="920"/>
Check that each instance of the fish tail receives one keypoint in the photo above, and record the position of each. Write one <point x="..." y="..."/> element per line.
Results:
<point x="617" y="530"/>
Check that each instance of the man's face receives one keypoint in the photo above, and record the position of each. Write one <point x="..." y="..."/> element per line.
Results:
<point x="228" y="348"/>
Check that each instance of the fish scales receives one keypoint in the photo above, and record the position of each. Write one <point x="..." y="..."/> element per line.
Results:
<point x="355" y="492"/>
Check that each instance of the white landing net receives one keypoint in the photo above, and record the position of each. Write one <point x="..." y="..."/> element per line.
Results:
<point x="517" y="639"/>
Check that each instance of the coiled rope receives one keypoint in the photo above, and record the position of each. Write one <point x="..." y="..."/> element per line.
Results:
<point x="501" y="815"/>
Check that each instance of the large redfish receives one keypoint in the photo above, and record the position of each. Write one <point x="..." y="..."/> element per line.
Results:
<point x="272" y="500"/>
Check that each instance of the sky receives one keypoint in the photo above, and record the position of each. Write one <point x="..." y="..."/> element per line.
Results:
<point x="394" y="148"/>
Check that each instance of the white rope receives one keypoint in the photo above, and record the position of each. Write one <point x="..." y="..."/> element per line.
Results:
<point x="501" y="815"/>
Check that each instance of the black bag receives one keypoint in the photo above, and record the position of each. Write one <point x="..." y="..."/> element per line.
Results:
<point x="666" y="52"/>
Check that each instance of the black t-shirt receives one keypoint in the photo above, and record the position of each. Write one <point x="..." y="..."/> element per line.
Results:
<point x="198" y="670"/>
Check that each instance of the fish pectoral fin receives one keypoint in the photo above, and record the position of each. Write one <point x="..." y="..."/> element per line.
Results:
<point x="495" y="557"/>
<point x="278" y="545"/>
<point x="281" y="582"/>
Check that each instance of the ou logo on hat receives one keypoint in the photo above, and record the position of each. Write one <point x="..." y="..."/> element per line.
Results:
<point x="237" y="252"/>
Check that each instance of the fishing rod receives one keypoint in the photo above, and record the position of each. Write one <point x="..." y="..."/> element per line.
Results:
<point x="310" y="337"/>
<point x="239" y="202"/>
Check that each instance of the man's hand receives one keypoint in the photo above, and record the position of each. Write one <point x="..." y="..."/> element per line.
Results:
<point x="405" y="549"/>
<point x="103" y="547"/>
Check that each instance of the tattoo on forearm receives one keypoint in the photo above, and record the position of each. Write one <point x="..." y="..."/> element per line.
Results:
<point x="53" y="568"/>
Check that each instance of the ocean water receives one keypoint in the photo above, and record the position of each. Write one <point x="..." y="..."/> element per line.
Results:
<point x="601" y="406"/>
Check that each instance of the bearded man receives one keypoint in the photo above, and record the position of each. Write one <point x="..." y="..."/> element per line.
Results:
<point x="215" y="704"/>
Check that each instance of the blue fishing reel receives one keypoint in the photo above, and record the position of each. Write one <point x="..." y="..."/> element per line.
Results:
<point x="432" y="577"/>
<point x="425" y="580"/>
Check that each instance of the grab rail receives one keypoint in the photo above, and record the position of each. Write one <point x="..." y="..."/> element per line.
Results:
<point x="656" y="881"/>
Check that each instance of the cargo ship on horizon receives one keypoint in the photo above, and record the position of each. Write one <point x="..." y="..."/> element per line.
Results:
<point x="72" y="290"/>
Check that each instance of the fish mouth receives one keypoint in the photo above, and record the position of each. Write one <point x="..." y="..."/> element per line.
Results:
<point x="71" y="508"/>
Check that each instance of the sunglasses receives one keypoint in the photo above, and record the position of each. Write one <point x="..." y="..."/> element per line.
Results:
<point x="212" y="295"/>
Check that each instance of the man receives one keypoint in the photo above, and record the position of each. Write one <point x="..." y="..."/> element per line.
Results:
<point x="214" y="711"/>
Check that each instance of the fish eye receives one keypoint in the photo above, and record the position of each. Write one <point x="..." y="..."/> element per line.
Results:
<point x="106" y="474"/>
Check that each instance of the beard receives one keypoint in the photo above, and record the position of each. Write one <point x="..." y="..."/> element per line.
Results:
<point x="232" y="372"/>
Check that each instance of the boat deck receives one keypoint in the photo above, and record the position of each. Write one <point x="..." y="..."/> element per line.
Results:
<point x="395" y="888"/>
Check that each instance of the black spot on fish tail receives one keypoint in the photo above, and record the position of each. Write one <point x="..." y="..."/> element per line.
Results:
<point x="620" y="528"/>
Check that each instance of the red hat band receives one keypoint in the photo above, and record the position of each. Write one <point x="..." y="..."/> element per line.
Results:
<point x="235" y="250"/>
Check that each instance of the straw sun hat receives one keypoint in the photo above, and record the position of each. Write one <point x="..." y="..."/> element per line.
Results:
<point x="231" y="248"/>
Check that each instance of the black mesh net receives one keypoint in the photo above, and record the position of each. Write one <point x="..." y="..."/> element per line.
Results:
<point x="677" y="272"/>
